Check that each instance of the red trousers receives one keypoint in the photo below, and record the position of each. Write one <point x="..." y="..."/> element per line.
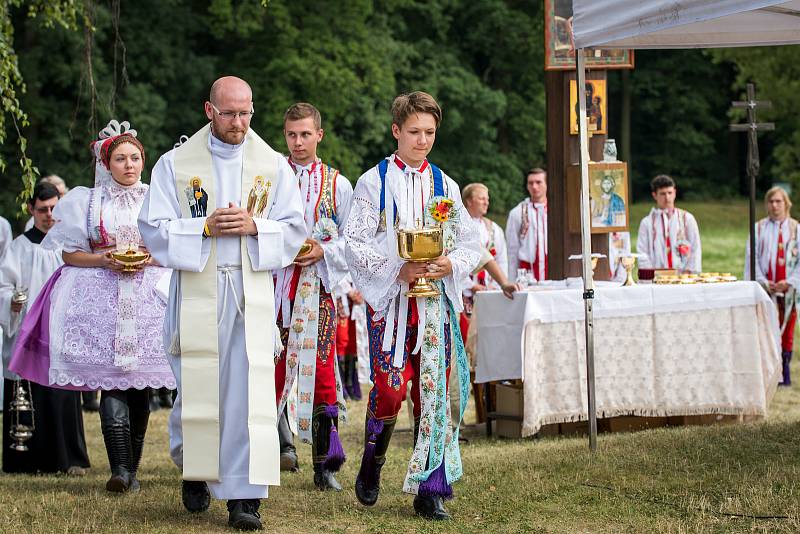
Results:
<point x="787" y="338"/>
<point x="345" y="337"/>
<point x="389" y="383"/>
<point x="325" y="377"/>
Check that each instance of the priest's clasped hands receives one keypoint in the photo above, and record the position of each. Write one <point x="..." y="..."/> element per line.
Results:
<point x="232" y="220"/>
<point x="433" y="270"/>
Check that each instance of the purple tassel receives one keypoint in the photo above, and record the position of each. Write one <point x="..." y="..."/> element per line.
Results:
<point x="368" y="473"/>
<point x="436" y="485"/>
<point x="336" y="455"/>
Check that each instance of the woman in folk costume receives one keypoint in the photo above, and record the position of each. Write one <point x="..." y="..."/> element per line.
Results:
<point x="668" y="236"/>
<point x="104" y="323"/>
<point x="777" y="268"/>
<point x="411" y="338"/>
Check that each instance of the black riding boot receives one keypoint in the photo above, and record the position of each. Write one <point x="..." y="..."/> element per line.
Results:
<point x="286" y="440"/>
<point x="138" y="403"/>
<point x="115" y="423"/>
<point x="786" y="357"/>
<point x="378" y="434"/>
<point x="327" y="452"/>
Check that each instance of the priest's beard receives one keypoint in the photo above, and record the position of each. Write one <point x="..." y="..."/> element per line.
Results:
<point x="228" y="133"/>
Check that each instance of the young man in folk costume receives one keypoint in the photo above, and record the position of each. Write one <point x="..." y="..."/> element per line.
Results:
<point x="219" y="328"/>
<point x="411" y="339"/>
<point x="306" y="312"/>
<point x="668" y="236"/>
<point x="58" y="442"/>
<point x="526" y="229"/>
<point x="777" y="268"/>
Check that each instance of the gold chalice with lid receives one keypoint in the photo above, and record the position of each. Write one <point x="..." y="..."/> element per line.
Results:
<point x="419" y="246"/>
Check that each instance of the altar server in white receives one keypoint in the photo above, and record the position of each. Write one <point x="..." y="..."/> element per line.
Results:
<point x="526" y="229"/>
<point x="777" y="268"/>
<point x="668" y="236"/>
<point x="223" y="428"/>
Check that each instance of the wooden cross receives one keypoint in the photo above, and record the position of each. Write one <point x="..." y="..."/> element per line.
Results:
<point x="752" y="127"/>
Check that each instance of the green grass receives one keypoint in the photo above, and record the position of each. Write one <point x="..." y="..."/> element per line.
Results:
<point x="690" y="479"/>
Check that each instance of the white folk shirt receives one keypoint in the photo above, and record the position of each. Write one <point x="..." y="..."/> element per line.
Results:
<point x="492" y="239"/>
<point x="332" y="268"/>
<point x="372" y="249"/>
<point x="767" y="250"/>
<point x="178" y="243"/>
<point x="682" y="230"/>
<point x="527" y="237"/>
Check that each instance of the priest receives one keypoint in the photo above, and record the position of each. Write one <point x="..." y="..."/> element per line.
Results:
<point x="58" y="443"/>
<point x="224" y="211"/>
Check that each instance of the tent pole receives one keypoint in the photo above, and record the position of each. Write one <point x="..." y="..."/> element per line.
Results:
<point x="586" y="249"/>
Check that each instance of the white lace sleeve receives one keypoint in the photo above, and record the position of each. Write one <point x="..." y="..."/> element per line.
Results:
<point x="373" y="270"/>
<point x="334" y="262"/>
<point x="70" y="230"/>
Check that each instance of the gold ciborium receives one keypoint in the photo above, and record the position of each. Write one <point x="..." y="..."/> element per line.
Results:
<point x="132" y="259"/>
<point x="421" y="245"/>
<point x="628" y="262"/>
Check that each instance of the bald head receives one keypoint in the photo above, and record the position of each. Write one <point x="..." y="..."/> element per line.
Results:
<point x="229" y="87"/>
<point x="228" y="108"/>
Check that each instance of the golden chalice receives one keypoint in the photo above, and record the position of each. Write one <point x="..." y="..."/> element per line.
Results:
<point x="132" y="259"/>
<point x="421" y="245"/>
<point x="628" y="262"/>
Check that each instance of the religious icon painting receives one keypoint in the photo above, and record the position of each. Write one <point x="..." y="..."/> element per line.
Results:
<point x="258" y="196"/>
<point x="559" y="48"/>
<point x="596" y="107"/>
<point x="197" y="197"/>
<point x="608" y="197"/>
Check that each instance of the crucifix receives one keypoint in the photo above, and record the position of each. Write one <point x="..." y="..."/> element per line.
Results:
<point x="752" y="127"/>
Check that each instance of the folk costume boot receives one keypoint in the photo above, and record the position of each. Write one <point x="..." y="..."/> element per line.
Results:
<point x="155" y="402"/>
<point x="429" y="501"/>
<point x="786" y="357"/>
<point x="165" y="399"/>
<point x="286" y="440"/>
<point x="352" y="373"/>
<point x="115" y="424"/>
<point x="243" y="514"/>
<point x="342" y="362"/>
<point x="138" y="405"/>
<point x="327" y="452"/>
<point x="376" y="442"/>
<point x="90" y="402"/>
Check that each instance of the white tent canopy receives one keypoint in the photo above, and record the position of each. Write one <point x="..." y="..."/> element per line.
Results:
<point x="684" y="24"/>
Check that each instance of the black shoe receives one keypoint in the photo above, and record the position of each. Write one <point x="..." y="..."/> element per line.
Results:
<point x="430" y="508"/>
<point x="324" y="479"/>
<point x="243" y="514"/>
<point x="289" y="461"/>
<point x="195" y="495"/>
<point x="366" y="493"/>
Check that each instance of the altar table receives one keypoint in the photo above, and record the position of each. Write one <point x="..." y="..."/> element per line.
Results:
<point x="660" y="350"/>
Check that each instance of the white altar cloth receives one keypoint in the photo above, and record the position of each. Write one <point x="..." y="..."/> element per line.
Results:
<point x="659" y="350"/>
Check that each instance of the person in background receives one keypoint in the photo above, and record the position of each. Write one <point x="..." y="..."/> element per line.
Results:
<point x="58" y="443"/>
<point x="526" y="229"/>
<point x="777" y="268"/>
<point x="668" y="236"/>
